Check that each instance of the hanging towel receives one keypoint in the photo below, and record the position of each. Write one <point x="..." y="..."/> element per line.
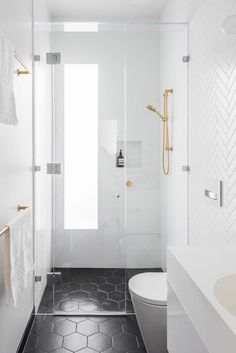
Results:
<point x="7" y="99"/>
<point x="18" y="256"/>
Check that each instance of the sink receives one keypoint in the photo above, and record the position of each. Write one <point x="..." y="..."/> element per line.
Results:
<point x="225" y="292"/>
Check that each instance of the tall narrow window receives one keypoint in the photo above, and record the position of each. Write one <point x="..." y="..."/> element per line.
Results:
<point x="81" y="146"/>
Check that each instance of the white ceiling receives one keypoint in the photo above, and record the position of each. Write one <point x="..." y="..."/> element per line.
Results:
<point x="105" y="9"/>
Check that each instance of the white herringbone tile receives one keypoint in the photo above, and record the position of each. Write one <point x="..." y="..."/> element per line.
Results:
<point x="212" y="123"/>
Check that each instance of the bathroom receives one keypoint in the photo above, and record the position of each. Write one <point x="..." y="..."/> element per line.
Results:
<point x="117" y="174"/>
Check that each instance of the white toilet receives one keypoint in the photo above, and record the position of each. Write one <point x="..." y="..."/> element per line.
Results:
<point x="149" y="296"/>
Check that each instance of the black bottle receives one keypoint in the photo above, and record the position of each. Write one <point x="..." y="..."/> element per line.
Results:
<point x="120" y="160"/>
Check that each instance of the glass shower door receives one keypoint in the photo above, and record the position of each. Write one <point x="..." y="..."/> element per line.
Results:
<point x="88" y="191"/>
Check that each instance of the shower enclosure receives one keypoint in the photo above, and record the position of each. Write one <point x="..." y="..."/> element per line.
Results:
<point x="98" y="223"/>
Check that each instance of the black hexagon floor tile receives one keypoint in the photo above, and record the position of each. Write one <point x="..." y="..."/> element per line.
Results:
<point x="98" y="279"/>
<point x="77" y="319"/>
<point x="31" y="342"/>
<point x="122" y="306"/>
<point x="71" y="287"/>
<point x="64" y="328"/>
<point x="112" y="350"/>
<point x="131" y="326"/>
<point x="61" y="350"/>
<point x="121" y="287"/>
<point x="114" y="280"/>
<point x="87" y="350"/>
<point x="40" y="327"/>
<point x="89" y="287"/>
<point x="87" y="327"/>
<point x="54" y="319"/>
<point x="75" y="342"/>
<point x="50" y="342"/>
<point x="98" y="295"/>
<point x="36" y="351"/>
<point x="117" y="296"/>
<point x="89" y="306"/>
<point x="125" y="342"/>
<point x="107" y="334"/>
<point x="109" y="305"/>
<point x="99" y="342"/>
<point x="81" y="284"/>
<point x="111" y="327"/>
<point x="107" y="287"/>
<point x="68" y="305"/>
<point x="99" y="318"/>
<point x="79" y="295"/>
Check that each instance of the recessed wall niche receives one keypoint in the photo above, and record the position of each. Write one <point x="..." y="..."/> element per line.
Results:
<point x="132" y="151"/>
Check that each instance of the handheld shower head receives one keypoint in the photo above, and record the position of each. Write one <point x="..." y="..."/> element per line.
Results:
<point x="154" y="110"/>
<point x="151" y="107"/>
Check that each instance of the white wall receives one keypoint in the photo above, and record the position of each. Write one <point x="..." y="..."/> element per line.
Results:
<point x="16" y="163"/>
<point x="119" y="95"/>
<point x="212" y="132"/>
<point x="43" y="147"/>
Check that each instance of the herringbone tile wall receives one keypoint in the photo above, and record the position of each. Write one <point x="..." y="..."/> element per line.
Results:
<point x="212" y="132"/>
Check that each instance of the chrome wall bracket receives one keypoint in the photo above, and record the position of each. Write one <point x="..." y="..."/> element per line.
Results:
<point x="37" y="278"/>
<point x="36" y="57"/>
<point x="185" y="168"/>
<point x="186" y="59"/>
<point x="53" y="168"/>
<point x="37" y="168"/>
<point x="53" y="58"/>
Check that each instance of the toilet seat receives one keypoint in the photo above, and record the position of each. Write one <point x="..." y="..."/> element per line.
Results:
<point x="150" y="287"/>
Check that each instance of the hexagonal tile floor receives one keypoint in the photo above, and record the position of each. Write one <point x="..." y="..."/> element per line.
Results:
<point x="89" y="291"/>
<point x="84" y="334"/>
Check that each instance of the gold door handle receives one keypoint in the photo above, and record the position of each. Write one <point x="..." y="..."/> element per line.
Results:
<point x="129" y="183"/>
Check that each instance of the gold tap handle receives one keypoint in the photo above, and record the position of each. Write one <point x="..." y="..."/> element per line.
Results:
<point x="129" y="183"/>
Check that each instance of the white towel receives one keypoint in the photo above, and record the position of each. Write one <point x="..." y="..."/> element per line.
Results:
<point x="19" y="255"/>
<point x="7" y="99"/>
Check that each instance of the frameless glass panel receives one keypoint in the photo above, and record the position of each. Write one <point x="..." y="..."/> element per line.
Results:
<point x="153" y="64"/>
<point x="89" y="198"/>
<point x="43" y="156"/>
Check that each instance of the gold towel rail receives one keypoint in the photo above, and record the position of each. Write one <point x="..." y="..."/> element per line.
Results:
<point x="20" y="61"/>
<point x="6" y="228"/>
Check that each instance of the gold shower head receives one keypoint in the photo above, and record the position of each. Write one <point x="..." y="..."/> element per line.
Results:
<point x="154" y="110"/>
<point x="151" y="107"/>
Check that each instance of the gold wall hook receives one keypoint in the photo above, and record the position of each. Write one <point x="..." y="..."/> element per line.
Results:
<point x="20" y="207"/>
<point x="22" y="72"/>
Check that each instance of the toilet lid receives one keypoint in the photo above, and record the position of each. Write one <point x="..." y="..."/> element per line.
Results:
<point x="150" y="287"/>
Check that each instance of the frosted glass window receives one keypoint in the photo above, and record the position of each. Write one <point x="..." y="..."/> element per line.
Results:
<point x="81" y="147"/>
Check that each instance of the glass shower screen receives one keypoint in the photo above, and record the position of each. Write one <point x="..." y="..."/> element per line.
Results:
<point x="99" y="199"/>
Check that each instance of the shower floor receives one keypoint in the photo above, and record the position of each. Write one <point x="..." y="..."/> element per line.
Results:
<point x="86" y="290"/>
